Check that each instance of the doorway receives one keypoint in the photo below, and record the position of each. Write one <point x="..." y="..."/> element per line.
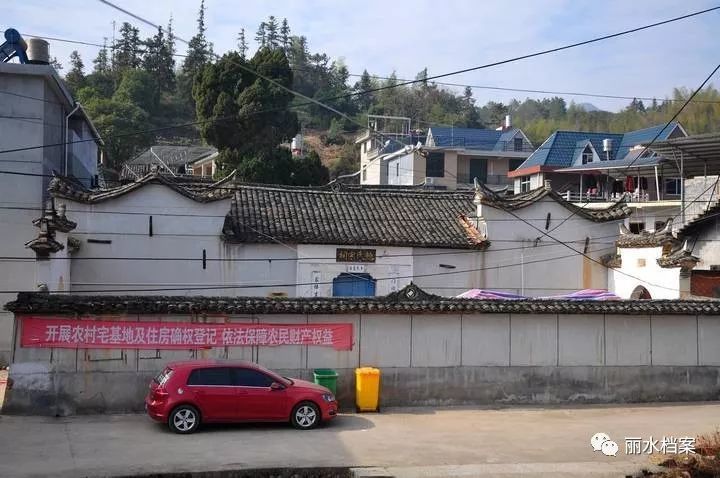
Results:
<point x="354" y="285"/>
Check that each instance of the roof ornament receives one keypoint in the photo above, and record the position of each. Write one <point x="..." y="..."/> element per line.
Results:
<point x="668" y="227"/>
<point x="624" y="230"/>
<point x="410" y="292"/>
<point x="479" y="195"/>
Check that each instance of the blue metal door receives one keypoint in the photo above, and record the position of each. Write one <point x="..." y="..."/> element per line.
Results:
<point x="353" y="285"/>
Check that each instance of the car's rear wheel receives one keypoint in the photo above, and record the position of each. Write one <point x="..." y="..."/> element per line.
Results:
<point x="305" y="415"/>
<point x="184" y="419"/>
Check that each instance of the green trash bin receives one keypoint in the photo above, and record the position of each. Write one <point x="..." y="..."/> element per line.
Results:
<point x="327" y="378"/>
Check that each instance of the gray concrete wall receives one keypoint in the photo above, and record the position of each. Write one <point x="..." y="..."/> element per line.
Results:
<point x="425" y="359"/>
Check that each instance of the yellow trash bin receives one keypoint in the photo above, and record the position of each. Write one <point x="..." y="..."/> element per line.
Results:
<point x="367" y="389"/>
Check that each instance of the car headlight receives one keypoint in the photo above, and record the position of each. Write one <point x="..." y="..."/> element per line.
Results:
<point x="328" y="397"/>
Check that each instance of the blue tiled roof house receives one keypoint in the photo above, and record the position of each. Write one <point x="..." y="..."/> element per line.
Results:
<point x="581" y="151"/>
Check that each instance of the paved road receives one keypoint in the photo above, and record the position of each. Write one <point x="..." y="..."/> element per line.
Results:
<point x="411" y="442"/>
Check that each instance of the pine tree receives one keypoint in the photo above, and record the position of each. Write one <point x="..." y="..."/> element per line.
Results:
<point x="365" y="84"/>
<point x="422" y="76"/>
<point x="76" y="76"/>
<point x="285" y="35"/>
<point x="159" y="61"/>
<point x="470" y="114"/>
<point x="199" y="49"/>
<point x="242" y="44"/>
<point x="261" y="35"/>
<point x="170" y="38"/>
<point x="127" y="54"/>
<point x="102" y="61"/>
<point x="272" y="39"/>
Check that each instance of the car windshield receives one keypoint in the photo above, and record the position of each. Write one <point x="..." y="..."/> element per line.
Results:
<point x="163" y="376"/>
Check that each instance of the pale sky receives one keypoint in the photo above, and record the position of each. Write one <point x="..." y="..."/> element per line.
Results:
<point x="407" y="36"/>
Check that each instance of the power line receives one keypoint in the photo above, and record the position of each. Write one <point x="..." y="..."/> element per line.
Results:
<point x="655" y="138"/>
<point x="538" y="53"/>
<point x="546" y="92"/>
<point x="585" y="254"/>
<point x="330" y="108"/>
<point x="288" y="259"/>
<point x="381" y="77"/>
<point x="256" y="286"/>
<point x="100" y="45"/>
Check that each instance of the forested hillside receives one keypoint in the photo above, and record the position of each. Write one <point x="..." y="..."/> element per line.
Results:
<point x="141" y="92"/>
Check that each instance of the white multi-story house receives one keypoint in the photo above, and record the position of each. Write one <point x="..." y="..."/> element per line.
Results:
<point x="443" y="157"/>
<point x="43" y="131"/>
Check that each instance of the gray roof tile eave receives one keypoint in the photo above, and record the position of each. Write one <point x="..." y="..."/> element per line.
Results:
<point x="43" y="303"/>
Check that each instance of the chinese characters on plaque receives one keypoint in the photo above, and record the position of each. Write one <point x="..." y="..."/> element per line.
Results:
<point x="354" y="255"/>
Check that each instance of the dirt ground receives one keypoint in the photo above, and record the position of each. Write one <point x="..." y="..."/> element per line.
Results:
<point x="426" y="442"/>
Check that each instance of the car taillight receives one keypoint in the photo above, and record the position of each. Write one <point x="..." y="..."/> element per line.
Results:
<point x="160" y="393"/>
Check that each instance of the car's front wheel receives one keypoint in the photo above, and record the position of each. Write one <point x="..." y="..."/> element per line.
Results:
<point x="305" y="415"/>
<point x="184" y="419"/>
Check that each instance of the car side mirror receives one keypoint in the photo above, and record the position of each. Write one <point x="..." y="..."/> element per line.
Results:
<point x="276" y="386"/>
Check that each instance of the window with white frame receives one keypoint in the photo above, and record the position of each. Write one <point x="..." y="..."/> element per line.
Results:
<point x="587" y="155"/>
<point x="673" y="186"/>
<point x="524" y="184"/>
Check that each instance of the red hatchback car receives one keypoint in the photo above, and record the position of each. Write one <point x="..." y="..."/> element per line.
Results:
<point x="185" y="394"/>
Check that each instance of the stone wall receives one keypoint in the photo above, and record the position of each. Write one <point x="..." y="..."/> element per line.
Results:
<point x="425" y="359"/>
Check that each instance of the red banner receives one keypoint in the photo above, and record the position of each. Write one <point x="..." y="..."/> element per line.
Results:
<point x="115" y="334"/>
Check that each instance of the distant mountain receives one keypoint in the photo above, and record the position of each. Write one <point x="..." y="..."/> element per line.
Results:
<point x="589" y="107"/>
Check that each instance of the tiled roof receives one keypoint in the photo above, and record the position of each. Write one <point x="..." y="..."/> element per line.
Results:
<point x="195" y="188"/>
<point x="400" y="217"/>
<point x="644" y="136"/>
<point x="341" y="214"/>
<point x="410" y="300"/>
<point x="680" y="258"/>
<point x="617" y="211"/>
<point x="674" y="253"/>
<point x="559" y="150"/>
<point x="470" y="138"/>
<point x="646" y="238"/>
<point x="175" y="157"/>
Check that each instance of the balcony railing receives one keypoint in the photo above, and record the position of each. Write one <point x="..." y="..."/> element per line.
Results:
<point x="636" y="197"/>
<point x="492" y="179"/>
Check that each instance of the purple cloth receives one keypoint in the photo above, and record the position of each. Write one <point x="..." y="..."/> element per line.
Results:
<point x="489" y="294"/>
<point x="586" y="294"/>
